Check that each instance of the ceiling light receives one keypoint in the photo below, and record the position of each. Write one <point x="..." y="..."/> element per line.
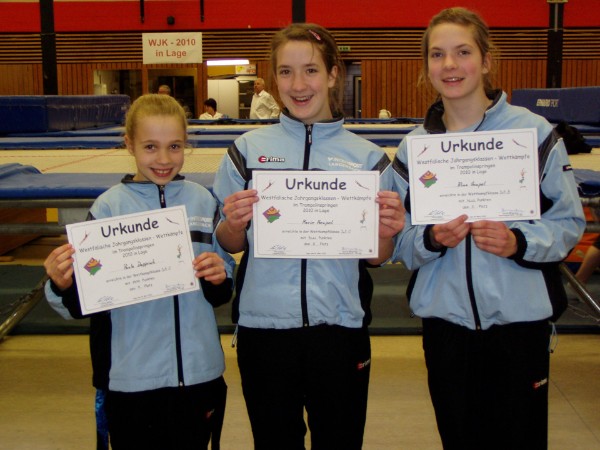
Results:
<point x="228" y="62"/>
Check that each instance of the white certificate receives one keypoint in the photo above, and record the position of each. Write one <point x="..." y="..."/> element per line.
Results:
<point x="487" y="175"/>
<point x="132" y="258"/>
<point x="316" y="214"/>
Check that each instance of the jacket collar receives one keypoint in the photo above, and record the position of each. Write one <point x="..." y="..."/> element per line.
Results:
<point x="298" y="128"/>
<point x="128" y="179"/>
<point x="433" y="122"/>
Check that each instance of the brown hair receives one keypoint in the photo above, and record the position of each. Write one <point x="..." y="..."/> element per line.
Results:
<point x="481" y="35"/>
<point x="322" y="40"/>
<point x="153" y="105"/>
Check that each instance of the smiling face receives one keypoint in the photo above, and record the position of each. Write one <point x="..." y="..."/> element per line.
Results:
<point x="303" y="81"/>
<point x="158" y="147"/>
<point x="456" y="67"/>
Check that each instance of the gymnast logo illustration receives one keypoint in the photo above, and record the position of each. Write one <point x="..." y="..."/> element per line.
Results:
<point x="87" y="234"/>
<point x="271" y="214"/>
<point x="522" y="179"/>
<point x="364" y="219"/>
<point x="93" y="266"/>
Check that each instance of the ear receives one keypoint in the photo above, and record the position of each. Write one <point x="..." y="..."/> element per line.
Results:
<point x="487" y="63"/>
<point x="129" y="145"/>
<point x="332" y="77"/>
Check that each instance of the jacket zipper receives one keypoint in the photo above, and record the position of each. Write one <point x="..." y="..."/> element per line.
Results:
<point x="303" y="262"/>
<point x="469" y="268"/>
<point x="180" y="379"/>
<point x="469" y="259"/>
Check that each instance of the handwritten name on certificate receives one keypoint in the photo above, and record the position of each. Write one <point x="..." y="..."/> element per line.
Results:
<point x="489" y="175"/>
<point x="325" y="214"/>
<point x="133" y="258"/>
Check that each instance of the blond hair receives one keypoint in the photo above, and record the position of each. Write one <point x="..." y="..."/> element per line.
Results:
<point x="153" y="105"/>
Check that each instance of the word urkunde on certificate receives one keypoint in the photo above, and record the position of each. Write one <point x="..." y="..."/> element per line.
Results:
<point x="489" y="175"/>
<point x="316" y="214"/>
<point x="133" y="258"/>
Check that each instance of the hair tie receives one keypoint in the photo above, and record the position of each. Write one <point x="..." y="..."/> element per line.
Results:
<point x="315" y="34"/>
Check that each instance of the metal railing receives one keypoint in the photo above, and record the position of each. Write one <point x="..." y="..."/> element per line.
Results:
<point x="22" y="307"/>
<point x="581" y="291"/>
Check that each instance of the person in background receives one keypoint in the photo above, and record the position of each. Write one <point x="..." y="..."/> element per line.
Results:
<point x="159" y="363"/>
<point x="303" y="341"/>
<point x="210" y="110"/>
<point x="263" y="104"/>
<point x="487" y="291"/>
<point x="164" y="89"/>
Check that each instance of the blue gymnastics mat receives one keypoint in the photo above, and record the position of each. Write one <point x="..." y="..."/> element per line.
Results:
<point x="26" y="182"/>
<point x="577" y="105"/>
<point x="382" y="138"/>
<point x="42" y="113"/>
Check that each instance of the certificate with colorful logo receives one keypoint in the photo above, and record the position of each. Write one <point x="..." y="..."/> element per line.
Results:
<point x="133" y="258"/>
<point x="316" y="214"/>
<point x="489" y="175"/>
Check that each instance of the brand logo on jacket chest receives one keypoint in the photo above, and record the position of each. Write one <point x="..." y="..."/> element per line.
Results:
<point x="268" y="159"/>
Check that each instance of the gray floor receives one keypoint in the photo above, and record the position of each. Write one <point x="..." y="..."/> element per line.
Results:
<point x="47" y="399"/>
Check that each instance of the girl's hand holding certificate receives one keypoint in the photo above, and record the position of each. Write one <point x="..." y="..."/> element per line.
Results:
<point x="210" y="266"/>
<point x="59" y="266"/>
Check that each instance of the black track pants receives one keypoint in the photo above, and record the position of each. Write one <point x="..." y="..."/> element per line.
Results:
<point x="323" y="369"/>
<point x="489" y="388"/>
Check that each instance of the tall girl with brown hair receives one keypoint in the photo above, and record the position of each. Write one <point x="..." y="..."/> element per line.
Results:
<point x="487" y="290"/>
<point x="303" y="342"/>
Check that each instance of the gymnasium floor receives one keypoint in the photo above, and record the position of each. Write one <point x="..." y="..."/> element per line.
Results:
<point x="46" y="399"/>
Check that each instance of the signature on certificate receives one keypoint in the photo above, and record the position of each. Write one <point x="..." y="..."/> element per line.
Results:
<point x="350" y="251"/>
<point x="511" y="212"/>
<point x="278" y="249"/>
<point x="107" y="300"/>
<point x="436" y="214"/>
<point x="174" y="287"/>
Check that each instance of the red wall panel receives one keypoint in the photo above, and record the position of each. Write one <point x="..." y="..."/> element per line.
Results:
<point x="125" y="15"/>
<point x="20" y="17"/>
<point x="417" y="13"/>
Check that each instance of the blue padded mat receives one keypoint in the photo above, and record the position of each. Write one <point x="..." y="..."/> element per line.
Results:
<point x="40" y="143"/>
<point x="120" y="131"/>
<point x="198" y="137"/>
<point x="102" y="142"/>
<point x="26" y="182"/>
<point x="578" y="105"/>
<point x="19" y="181"/>
<point x="42" y="113"/>
<point x="587" y="130"/>
<point x="209" y="130"/>
<point x="86" y="132"/>
<point x="230" y="121"/>
<point x="594" y="141"/>
<point x="588" y="182"/>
